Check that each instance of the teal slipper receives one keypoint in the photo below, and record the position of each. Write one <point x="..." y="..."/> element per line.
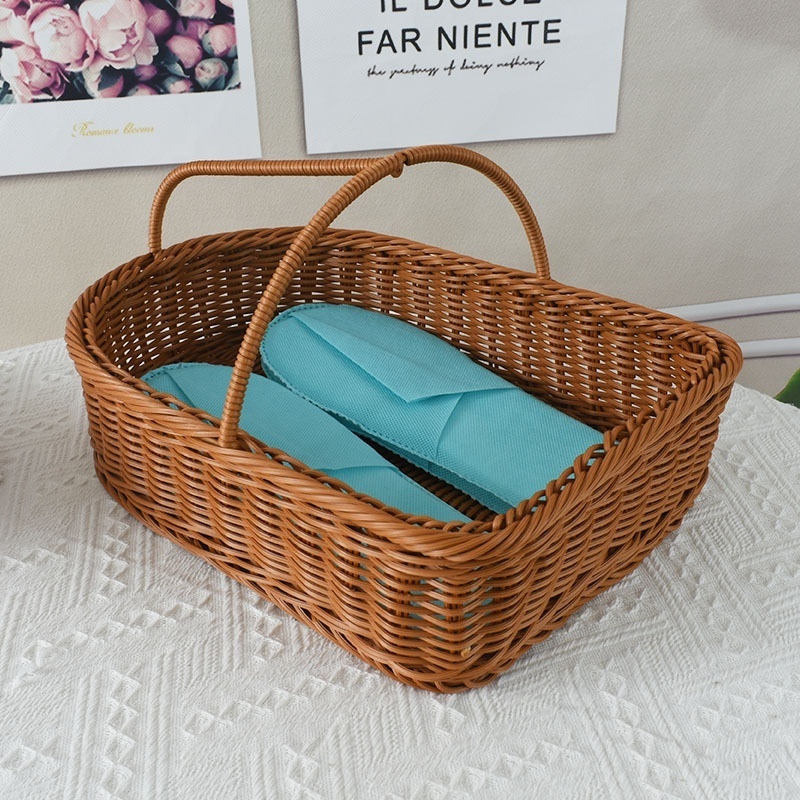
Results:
<point x="424" y="399"/>
<point x="284" y="421"/>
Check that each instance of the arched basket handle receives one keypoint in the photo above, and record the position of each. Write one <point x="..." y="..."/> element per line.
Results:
<point x="369" y="172"/>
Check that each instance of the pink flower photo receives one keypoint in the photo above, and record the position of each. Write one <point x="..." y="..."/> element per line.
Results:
<point x="85" y="49"/>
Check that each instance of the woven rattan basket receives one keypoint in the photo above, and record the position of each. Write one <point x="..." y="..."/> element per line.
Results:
<point x="440" y="606"/>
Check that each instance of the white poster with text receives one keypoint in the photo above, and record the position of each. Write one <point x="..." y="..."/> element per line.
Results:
<point x="87" y="84"/>
<point x="394" y="73"/>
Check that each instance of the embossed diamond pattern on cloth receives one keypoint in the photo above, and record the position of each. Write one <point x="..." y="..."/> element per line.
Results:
<point x="130" y="669"/>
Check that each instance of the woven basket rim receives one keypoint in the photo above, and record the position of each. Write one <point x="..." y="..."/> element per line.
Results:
<point x="146" y="267"/>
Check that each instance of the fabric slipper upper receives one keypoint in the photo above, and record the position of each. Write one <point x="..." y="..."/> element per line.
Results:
<point x="284" y="421"/>
<point x="424" y="399"/>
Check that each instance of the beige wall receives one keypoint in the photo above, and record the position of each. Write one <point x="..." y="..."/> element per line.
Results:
<point x="695" y="198"/>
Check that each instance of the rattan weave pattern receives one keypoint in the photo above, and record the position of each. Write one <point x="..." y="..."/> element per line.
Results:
<point x="444" y="607"/>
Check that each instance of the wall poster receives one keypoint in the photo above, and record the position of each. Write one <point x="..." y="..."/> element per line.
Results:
<point x="392" y="73"/>
<point x="104" y="83"/>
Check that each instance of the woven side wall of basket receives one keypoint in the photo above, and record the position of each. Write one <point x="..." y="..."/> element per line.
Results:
<point x="443" y="607"/>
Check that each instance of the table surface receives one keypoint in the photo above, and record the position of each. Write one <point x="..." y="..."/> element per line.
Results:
<point x="132" y="669"/>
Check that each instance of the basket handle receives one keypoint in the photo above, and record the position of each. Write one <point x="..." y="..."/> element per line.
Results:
<point x="241" y="168"/>
<point x="372" y="171"/>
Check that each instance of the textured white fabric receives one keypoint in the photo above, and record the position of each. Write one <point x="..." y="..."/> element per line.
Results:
<point x="131" y="669"/>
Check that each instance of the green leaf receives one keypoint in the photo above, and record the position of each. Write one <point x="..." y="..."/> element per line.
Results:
<point x="108" y="78"/>
<point x="234" y="80"/>
<point x="176" y="68"/>
<point x="791" y="392"/>
<point x="170" y="62"/>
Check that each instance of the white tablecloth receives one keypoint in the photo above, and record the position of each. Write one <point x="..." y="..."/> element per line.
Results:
<point x="131" y="669"/>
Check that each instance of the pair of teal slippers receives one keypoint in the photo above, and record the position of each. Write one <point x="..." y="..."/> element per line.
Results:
<point x="335" y="371"/>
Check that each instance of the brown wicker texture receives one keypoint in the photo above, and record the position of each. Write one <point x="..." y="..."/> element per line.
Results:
<point x="444" y="607"/>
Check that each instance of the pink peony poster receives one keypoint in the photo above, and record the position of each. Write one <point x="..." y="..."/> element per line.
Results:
<point x="101" y="83"/>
